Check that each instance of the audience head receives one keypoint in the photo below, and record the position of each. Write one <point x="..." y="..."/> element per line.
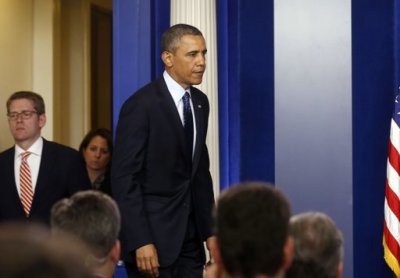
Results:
<point x="318" y="245"/>
<point x="96" y="148"/>
<point x="93" y="217"/>
<point x="27" y="250"/>
<point x="252" y="222"/>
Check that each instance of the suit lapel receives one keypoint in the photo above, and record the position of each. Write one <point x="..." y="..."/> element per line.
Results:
<point x="167" y="104"/>
<point x="46" y="162"/>
<point x="10" y="180"/>
<point x="200" y="128"/>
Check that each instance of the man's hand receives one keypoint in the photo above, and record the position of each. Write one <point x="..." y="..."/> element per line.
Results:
<point x="214" y="268"/>
<point x="212" y="271"/>
<point x="211" y="244"/>
<point x="147" y="260"/>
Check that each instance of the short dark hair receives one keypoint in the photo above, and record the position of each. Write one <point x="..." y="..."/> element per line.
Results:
<point x="37" y="100"/>
<point x="252" y="222"/>
<point x="318" y="246"/>
<point x="91" y="216"/>
<point x="170" y="39"/>
<point x="102" y="132"/>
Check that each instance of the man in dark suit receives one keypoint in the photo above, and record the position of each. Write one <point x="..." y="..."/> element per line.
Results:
<point x="160" y="168"/>
<point x="36" y="173"/>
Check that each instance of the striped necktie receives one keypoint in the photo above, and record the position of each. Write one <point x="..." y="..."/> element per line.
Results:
<point x="25" y="181"/>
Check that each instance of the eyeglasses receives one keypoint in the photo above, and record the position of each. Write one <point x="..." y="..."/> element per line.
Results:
<point x="25" y="115"/>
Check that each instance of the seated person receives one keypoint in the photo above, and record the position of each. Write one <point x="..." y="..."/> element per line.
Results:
<point x="318" y="250"/>
<point x="96" y="148"/>
<point x="94" y="218"/>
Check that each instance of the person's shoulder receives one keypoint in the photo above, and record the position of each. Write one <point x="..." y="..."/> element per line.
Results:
<point x="151" y="87"/>
<point x="54" y="146"/>
<point x="200" y="97"/>
<point x="7" y="152"/>
<point x="147" y="92"/>
<point x="198" y="92"/>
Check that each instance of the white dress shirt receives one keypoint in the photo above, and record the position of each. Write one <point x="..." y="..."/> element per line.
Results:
<point x="177" y="93"/>
<point x="33" y="161"/>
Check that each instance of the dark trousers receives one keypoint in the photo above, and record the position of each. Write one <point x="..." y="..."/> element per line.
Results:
<point x="189" y="263"/>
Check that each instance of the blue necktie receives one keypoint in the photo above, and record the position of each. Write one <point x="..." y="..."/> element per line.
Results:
<point x="188" y="122"/>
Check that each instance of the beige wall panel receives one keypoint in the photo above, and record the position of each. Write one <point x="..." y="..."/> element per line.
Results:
<point x="16" y="58"/>
<point x="42" y="67"/>
<point x="72" y="74"/>
<point x="45" y="48"/>
<point x="74" y="96"/>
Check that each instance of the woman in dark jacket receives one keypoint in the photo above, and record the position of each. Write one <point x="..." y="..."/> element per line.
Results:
<point x="96" y="148"/>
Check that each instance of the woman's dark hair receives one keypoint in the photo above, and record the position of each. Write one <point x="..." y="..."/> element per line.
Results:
<point x="102" y="132"/>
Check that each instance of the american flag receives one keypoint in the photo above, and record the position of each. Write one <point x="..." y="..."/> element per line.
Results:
<point x="391" y="234"/>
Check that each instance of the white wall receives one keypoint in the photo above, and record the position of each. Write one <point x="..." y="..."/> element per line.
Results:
<point x="313" y="109"/>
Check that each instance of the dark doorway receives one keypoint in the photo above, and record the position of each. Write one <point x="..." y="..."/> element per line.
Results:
<point x="101" y="67"/>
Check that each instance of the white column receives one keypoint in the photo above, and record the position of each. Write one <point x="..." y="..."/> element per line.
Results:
<point x="202" y="14"/>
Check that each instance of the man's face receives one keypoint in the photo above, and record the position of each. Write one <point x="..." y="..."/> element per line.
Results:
<point x="25" y="129"/>
<point x="188" y="63"/>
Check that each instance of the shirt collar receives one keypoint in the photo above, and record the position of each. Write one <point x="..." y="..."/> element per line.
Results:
<point x="174" y="88"/>
<point x="35" y="149"/>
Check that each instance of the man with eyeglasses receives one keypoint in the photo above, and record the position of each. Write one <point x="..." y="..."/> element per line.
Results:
<point x="36" y="173"/>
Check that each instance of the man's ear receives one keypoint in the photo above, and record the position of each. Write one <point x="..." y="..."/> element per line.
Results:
<point x="167" y="59"/>
<point x="340" y="270"/>
<point x="217" y="253"/>
<point x="42" y="120"/>
<point x="288" y="250"/>
<point x="115" y="252"/>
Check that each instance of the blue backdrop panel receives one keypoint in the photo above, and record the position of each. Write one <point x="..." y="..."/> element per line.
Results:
<point x="137" y="28"/>
<point x="256" y="74"/>
<point x="246" y="90"/>
<point x="132" y="49"/>
<point x="373" y="92"/>
<point x="160" y="21"/>
<point x="228" y="92"/>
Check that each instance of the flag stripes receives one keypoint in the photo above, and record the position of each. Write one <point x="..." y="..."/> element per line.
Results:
<point x="26" y="184"/>
<point x="391" y="227"/>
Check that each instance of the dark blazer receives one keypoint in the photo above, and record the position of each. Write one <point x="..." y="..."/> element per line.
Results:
<point x="153" y="179"/>
<point x="105" y="184"/>
<point x="62" y="172"/>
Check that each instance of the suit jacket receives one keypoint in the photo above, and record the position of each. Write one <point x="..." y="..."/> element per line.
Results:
<point x="154" y="179"/>
<point x="62" y="172"/>
<point x="104" y="185"/>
